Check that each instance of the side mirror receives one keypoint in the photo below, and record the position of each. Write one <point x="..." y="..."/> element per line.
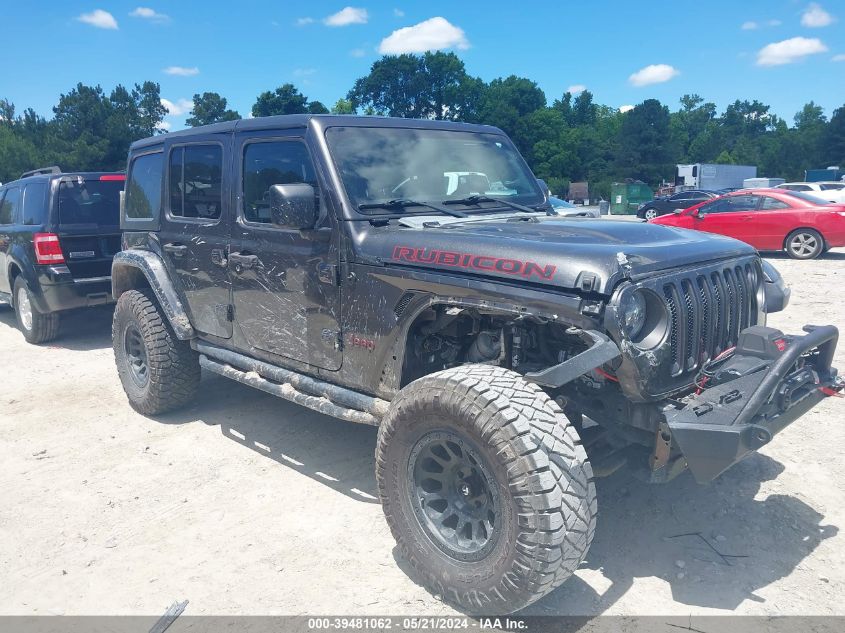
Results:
<point x="293" y="206"/>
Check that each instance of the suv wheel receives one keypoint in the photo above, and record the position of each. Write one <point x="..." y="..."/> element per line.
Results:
<point x="650" y="214"/>
<point x="37" y="327"/>
<point x="485" y="486"/>
<point x="804" y="244"/>
<point x="159" y="372"/>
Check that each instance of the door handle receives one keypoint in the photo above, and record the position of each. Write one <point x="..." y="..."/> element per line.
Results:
<point x="240" y="262"/>
<point x="175" y="249"/>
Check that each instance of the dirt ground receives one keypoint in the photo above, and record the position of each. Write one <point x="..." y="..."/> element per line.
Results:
<point x="245" y="504"/>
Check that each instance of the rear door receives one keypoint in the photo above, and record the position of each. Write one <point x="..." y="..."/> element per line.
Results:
<point x="195" y="229"/>
<point x="86" y="217"/>
<point x="286" y="288"/>
<point x="9" y="202"/>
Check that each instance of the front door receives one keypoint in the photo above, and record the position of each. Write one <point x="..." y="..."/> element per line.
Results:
<point x="284" y="281"/>
<point x="732" y="216"/>
<point x="196" y="227"/>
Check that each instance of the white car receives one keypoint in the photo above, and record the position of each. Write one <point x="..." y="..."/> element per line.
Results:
<point x="831" y="191"/>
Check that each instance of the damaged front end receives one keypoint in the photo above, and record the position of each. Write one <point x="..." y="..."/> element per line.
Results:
<point x="769" y="381"/>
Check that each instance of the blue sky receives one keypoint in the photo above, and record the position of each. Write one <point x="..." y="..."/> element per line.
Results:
<point x="782" y="52"/>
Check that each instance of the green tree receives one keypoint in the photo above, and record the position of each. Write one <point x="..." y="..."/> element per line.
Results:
<point x="645" y="150"/>
<point x="833" y="144"/>
<point x="343" y="106"/>
<point x="315" y="107"/>
<point x="286" y="99"/>
<point x="151" y="111"/>
<point x="210" y="107"/>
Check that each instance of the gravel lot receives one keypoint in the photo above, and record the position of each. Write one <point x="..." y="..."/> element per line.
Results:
<point x="244" y="504"/>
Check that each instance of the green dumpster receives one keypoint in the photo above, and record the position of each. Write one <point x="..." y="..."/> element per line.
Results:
<point x="625" y="197"/>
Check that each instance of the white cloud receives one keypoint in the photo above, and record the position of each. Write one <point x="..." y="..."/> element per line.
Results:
<point x="399" y="13"/>
<point x="166" y="125"/>
<point x="358" y="52"/>
<point x="815" y="17"/>
<point x="789" y="51"/>
<point x="304" y="21"/>
<point x="749" y="26"/>
<point x="653" y="74"/>
<point x="99" y="18"/>
<point x="347" y="16"/>
<point x="304" y="72"/>
<point x="576" y="88"/>
<point x="431" y="35"/>
<point x="149" y="14"/>
<point x="179" y="107"/>
<point x="626" y="108"/>
<point x="181" y="71"/>
<point x="838" y="58"/>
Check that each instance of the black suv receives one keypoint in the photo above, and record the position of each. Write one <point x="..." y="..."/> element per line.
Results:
<point x="412" y="275"/>
<point x="676" y="202"/>
<point x="58" y="234"/>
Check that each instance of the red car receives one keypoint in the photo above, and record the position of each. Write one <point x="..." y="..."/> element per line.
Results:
<point x="769" y="219"/>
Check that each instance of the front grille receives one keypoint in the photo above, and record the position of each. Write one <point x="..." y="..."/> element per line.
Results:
<point x="707" y="311"/>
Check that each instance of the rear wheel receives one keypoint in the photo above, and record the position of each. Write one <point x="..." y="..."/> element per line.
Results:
<point x="485" y="487"/>
<point x="37" y="327"/>
<point x="159" y="372"/>
<point x="804" y="244"/>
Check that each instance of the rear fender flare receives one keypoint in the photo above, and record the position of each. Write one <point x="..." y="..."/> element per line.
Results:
<point x="126" y="267"/>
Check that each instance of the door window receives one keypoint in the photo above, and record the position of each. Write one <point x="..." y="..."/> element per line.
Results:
<point x="195" y="181"/>
<point x="272" y="163"/>
<point x="9" y="207"/>
<point x="731" y="204"/>
<point x="143" y="188"/>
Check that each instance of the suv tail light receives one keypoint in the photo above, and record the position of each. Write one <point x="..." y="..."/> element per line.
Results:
<point x="47" y="249"/>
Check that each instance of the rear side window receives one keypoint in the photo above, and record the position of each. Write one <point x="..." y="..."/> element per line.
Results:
<point x="829" y="187"/>
<point x="89" y="202"/>
<point x="34" y="204"/>
<point x="10" y="206"/>
<point x="770" y="204"/>
<point x="143" y="188"/>
<point x="195" y="182"/>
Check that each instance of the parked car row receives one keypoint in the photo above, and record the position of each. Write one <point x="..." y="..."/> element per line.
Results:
<point x="769" y="219"/>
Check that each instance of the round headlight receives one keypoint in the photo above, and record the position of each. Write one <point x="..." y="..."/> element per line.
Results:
<point x="632" y="311"/>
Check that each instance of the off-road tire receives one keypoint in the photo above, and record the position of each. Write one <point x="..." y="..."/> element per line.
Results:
<point x="44" y="327"/>
<point x="803" y="250"/>
<point x="541" y="471"/>
<point x="173" y="371"/>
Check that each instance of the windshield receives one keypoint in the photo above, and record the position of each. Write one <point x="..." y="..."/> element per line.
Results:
<point x="382" y="164"/>
<point x="806" y="197"/>
<point x="90" y="201"/>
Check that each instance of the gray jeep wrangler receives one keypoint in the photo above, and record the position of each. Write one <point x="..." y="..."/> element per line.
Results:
<point x="412" y="275"/>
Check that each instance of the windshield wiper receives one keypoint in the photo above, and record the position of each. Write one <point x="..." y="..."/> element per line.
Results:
<point x="401" y="203"/>
<point x="477" y="199"/>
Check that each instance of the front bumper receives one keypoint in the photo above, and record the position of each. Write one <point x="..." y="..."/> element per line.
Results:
<point x="720" y="426"/>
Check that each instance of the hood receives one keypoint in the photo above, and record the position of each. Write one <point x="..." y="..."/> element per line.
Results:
<point x="584" y="254"/>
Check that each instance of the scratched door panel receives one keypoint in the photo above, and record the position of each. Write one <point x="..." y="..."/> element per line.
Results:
<point x="196" y="228"/>
<point x="285" y="294"/>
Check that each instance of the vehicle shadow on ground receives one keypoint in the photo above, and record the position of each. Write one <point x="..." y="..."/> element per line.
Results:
<point x="80" y="330"/>
<point x="715" y="545"/>
<point x="781" y="255"/>
<point x="335" y="453"/>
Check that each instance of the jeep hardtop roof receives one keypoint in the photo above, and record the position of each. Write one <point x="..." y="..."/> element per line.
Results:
<point x="288" y="121"/>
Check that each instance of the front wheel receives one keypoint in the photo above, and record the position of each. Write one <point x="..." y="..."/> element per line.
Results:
<point x="804" y="244"/>
<point x="485" y="487"/>
<point x="650" y="214"/>
<point x="37" y="327"/>
<point x="159" y="372"/>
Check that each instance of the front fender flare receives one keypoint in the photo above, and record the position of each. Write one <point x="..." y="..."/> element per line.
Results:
<point x="126" y="267"/>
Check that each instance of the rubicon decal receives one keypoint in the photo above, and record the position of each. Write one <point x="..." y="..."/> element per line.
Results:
<point x="471" y="261"/>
